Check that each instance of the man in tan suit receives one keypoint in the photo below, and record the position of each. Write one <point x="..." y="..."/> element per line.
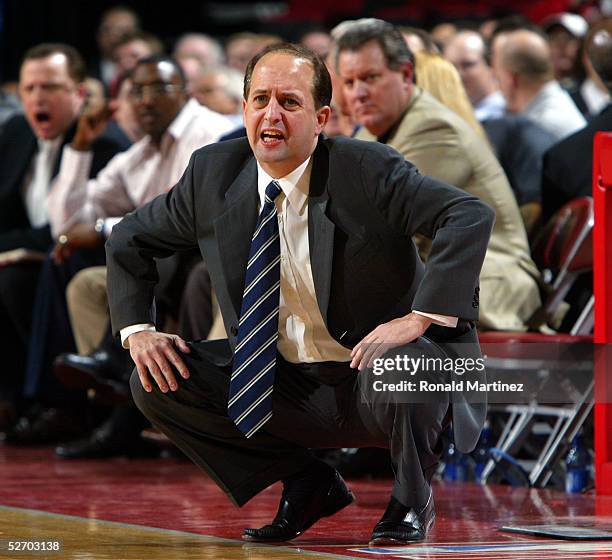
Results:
<point x="377" y="74"/>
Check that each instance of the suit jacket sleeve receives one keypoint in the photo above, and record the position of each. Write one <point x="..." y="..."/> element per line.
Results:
<point x="156" y="230"/>
<point x="458" y="223"/>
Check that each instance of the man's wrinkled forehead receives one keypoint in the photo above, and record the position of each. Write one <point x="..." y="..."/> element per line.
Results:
<point x="275" y="64"/>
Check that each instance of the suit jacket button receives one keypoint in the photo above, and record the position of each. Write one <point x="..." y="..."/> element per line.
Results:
<point x="234" y="330"/>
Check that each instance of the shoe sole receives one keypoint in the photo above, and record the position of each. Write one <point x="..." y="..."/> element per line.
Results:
<point x="397" y="542"/>
<point x="348" y="500"/>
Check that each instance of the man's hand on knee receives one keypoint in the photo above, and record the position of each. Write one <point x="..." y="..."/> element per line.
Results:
<point x="386" y="336"/>
<point x="154" y="354"/>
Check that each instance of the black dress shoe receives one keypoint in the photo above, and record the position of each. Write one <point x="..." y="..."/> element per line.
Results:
<point x="50" y="425"/>
<point x="401" y="524"/>
<point x="304" y="501"/>
<point x="101" y="445"/>
<point x="100" y="371"/>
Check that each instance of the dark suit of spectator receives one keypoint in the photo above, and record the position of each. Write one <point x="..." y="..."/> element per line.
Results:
<point x="568" y="166"/>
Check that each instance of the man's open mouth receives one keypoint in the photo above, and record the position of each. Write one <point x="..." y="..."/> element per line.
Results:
<point x="271" y="136"/>
<point x="42" y="117"/>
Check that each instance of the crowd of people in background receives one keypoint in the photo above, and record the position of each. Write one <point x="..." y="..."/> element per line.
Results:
<point x="506" y="110"/>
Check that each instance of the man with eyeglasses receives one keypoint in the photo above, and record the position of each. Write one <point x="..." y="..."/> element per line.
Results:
<point x="53" y="94"/>
<point x="82" y="212"/>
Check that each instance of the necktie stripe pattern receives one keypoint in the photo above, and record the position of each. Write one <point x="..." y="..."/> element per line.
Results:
<point x="252" y="380"/>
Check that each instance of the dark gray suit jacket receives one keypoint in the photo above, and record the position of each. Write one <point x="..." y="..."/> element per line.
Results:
<point x="365" y="204"/>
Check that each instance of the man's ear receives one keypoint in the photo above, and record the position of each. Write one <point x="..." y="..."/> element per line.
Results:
<point x="323" y="115"/>
<point x="408" y="72"/>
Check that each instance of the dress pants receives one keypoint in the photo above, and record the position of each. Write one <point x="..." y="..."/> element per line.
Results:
<point x="314" y="406"/>
<point x="88" y="308"/>
<point x="51" y="330"/>
<point x="17" y="291"/>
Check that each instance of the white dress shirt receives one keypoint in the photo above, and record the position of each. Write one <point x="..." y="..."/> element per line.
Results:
<point x="493" y="106"/>
<point x="302" y="334"/>
<point x="133" y="177"/>
<point x="555" y="111"/>
<point x="37" y="183"/>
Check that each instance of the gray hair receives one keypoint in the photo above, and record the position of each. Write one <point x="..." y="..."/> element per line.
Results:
<point x="352" y="35"/>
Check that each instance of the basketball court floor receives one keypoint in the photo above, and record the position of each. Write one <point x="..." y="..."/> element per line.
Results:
<point x="167" y="509"/>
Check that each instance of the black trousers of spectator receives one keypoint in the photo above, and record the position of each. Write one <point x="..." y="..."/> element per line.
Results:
<point x="51" y="331"/>
<point x="17" y="291"/>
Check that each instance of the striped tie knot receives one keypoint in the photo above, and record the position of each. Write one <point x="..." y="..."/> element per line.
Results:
<point x="272" y="191"/>
<point x="254" y="368"/>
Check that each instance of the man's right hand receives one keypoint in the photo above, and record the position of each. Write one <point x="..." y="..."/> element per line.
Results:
<point x="154" y="354"/>
<point x="92" y="122"/>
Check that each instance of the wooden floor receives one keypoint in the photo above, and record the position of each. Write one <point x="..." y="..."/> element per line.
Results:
<point x="151" y="509"/>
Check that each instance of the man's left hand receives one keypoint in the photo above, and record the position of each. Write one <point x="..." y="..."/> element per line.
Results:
<point x="79" y="236"/>
<point x="388" y="335"/>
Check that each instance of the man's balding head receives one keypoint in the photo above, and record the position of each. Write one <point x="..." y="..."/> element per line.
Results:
<point x="599" y="50"/>
<point x="527" y="54"/>
<point x="467" y="51"/>
<point x="522" y="65"/>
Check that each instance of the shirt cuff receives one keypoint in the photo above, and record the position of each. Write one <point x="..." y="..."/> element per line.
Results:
<point x="109" y="224"/>
<point x="127" y="331"/>
<point x="442" y="320"/>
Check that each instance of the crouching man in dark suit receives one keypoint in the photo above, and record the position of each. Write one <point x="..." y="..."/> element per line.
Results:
<point x="308" y="243"/>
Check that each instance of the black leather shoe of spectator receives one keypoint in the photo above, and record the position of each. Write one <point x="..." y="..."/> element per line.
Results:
<point x="51" y="425"/>
<point x="102" y="443"/>
<point x="100" y="372"/>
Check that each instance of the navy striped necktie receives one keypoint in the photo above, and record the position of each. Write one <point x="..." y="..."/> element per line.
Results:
<point x="252" y="380"/>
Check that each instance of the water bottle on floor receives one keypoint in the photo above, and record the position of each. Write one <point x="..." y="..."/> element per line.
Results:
<point x="577" y="462"/>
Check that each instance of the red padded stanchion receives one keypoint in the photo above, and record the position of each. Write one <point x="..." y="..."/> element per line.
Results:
<point x="602" y="273"/>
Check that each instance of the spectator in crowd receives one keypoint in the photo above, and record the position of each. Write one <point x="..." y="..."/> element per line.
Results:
<point x="442" y="33"/>
<point x="340" y="122"/>
<point x="568" y="166"/>
<point x="123" y="112"/>
<point x="466" y="50"/>
<point x="565" y="32"/>
<point x="220" y="89"/>
<point x="418" y="40"/>
<point x="82" y="212"/>
<point x="132" y="47"/>
<point x="9" y="105"/>
<point x="196" y="52"/>
<point x="518" y="142"/>
<point x="590" y="95"/>
<point x="522" y="64"/>
<point x="240" y="48"/>
<point x="115" y="23"/>
<point x="202" y="47"/>
<point x="317" y="40"/>
<point x="377" y="72"/>
<point x="439" y="77"/>
<point x="52" y="91"/>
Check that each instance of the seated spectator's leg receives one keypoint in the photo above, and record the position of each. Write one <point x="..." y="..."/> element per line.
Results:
<point x="88" y="308"/>
<point x="17" y="290"/>
<point x="196" y="316"/>
<point x="51" y="330"/>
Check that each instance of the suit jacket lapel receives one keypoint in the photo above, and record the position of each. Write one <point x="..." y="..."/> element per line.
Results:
<point x="320" y="228"/>
<point x="234" y="229"/>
